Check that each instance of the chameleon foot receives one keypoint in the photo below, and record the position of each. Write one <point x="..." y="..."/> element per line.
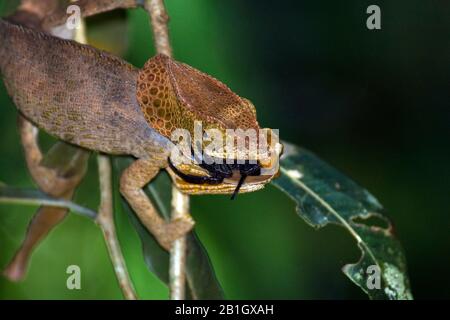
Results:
<point x="174" y="230"/>
<point x="133" y="179"/>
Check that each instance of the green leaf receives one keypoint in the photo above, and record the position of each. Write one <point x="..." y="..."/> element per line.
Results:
<point x="323" y="196"/>
<point x="201" y="279"/>
<point x="36" y="197"/>
<point x="8" y="7"/>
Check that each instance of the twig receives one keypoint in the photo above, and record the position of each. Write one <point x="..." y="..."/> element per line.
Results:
<point x="177" y="273"/>
<point x="159" y="20"/>
<point x="105" y="220"/>
<point x="105" y="217"/>
<point x="36" y="197"/>
<point x="180" y="201"/>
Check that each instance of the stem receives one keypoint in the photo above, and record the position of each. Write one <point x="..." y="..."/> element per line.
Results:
<point x="177" y="273"/>
<point x="159" y="20"/>
<point x="105" y="220"/>
<point x="36" y="197"/>
<point x="180" y="201"/>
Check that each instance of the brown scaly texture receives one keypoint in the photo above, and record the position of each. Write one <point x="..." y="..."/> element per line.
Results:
<point x="77" y="93"/>
<point x="173" y="95"/>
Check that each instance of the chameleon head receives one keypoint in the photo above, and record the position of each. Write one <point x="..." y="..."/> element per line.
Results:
<point x="224" y="150"/>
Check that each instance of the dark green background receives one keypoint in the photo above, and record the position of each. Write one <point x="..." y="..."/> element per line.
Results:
<point x="375" y="104"/>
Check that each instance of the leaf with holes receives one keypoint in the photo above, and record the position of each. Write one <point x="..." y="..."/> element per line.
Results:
<point x="323" y="196"/>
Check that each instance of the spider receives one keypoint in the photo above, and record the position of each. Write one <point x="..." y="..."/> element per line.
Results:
<point x="218" y="172"/>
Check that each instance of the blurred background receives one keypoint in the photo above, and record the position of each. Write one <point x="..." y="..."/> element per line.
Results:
<point x="374" y="104"/>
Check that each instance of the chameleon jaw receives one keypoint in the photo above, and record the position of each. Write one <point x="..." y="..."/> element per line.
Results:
<point x="228" y="186"/>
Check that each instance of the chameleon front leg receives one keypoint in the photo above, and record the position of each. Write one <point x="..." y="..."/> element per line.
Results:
<point x="133" y="179"/>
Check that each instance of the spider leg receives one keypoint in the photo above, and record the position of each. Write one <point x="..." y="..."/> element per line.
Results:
<point x="245" y="170"/>
<point x="214" y="169"/>
<point x="239" y="185"/>
<point x="250" y="169"/>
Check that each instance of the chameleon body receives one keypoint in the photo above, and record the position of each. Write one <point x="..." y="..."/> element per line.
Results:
<point x="76" y="93"/>
<point x="97" y="101"/>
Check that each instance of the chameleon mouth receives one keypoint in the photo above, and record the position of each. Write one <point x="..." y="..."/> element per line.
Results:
<point x="219" y="172"/>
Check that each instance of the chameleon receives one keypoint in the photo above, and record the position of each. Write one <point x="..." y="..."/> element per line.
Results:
<point x="95" y="100"/>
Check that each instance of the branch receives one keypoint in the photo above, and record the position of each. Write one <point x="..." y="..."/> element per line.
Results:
<point x="159" y="20"/>
<point x="180" y="202"/>
<point x="177" y="272"/>
<point x="36" y="197"/>
<point x="105" y="220"/>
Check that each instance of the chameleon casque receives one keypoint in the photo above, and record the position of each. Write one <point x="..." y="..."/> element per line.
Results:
<point x="95" y="100"/>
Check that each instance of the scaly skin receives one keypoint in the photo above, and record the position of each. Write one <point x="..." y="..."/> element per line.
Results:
<point x="77" y="93"/>
<point x="99" y="102"/>
<point x="173" y="95"/>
